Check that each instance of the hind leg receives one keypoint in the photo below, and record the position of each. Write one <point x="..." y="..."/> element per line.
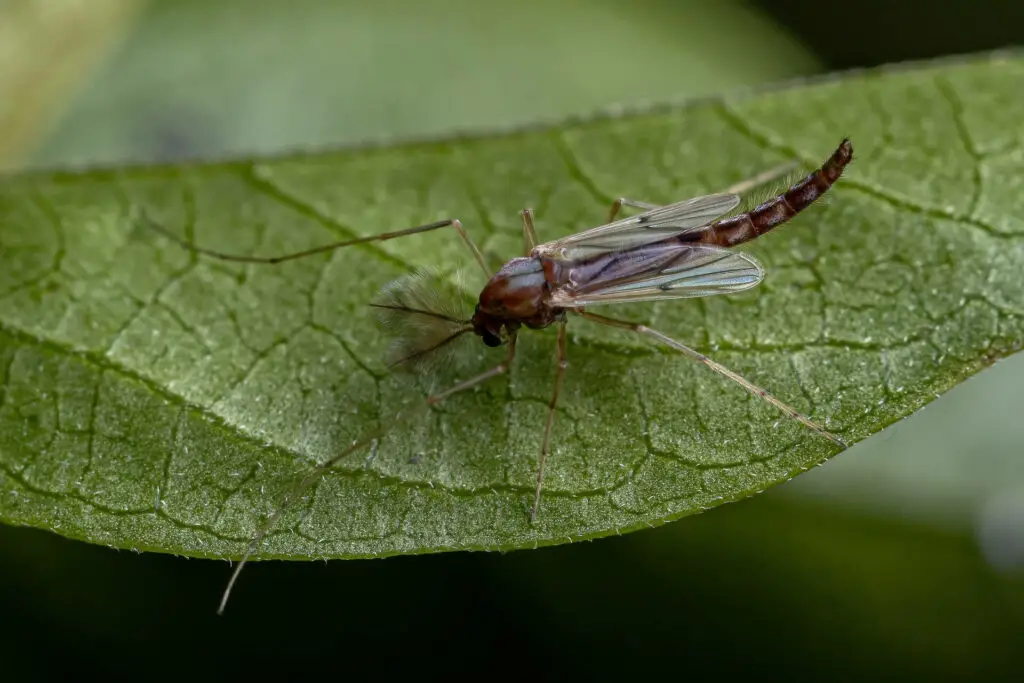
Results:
<point x="739" y="188"/>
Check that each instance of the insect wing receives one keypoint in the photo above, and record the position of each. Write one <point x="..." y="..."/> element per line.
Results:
<point x="692" y="271"/>
<point x="650" y="226"/>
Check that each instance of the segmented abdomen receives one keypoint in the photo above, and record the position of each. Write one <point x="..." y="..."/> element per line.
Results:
<point x="744" y="227"/>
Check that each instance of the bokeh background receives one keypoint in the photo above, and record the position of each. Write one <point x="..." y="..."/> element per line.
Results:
<point x="902" y="557"/>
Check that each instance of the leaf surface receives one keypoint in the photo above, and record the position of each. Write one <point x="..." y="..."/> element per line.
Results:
<point x="158" y="400"/>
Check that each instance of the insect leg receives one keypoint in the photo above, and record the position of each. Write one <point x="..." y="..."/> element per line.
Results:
<point x="722" y="370"/>
<point x="306" y="482"/>
<point x="529" y="234"/>
<point x="739" y="188"/>
<point x="319" y="470"/>
<point x="761" y="178"/>
<point x="563" y="363"/>
<point x="241" y="258"/>
<point x="499" y="369"/>
<point x="622" y="201"/>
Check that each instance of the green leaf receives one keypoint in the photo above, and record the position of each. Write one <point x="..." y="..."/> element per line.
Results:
<point x="193" y="80"/>
<point x="162" y="401"/>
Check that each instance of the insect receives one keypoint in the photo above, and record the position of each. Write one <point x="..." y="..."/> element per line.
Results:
<point x="678" y="251"/>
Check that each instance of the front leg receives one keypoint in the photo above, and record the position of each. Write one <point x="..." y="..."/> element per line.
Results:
<point x="498" y="369"/>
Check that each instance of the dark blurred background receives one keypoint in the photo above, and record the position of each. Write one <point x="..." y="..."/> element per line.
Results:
<point x="903" y="557"/>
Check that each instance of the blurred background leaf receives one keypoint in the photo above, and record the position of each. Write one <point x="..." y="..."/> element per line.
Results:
<point x="903" y="554"/>
<point x="201" y="78"/>
<point x="49" y="52"/>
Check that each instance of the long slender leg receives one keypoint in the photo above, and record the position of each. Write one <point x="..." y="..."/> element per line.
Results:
<point x="498" y="369"/>
<point x="739" y="188"/>
<point x="306" y="482"/>
<point x="720" y="369"/>
<point x="761" y="178"/>
<point x="545" y="448"/>
<point x="529" y="234"/>
<point x="241" y="258"/>
<point x="622" y="201"/>
<point x="310" y="478"/>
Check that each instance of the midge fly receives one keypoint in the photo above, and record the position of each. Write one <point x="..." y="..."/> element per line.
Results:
<point x="677" y="251"/>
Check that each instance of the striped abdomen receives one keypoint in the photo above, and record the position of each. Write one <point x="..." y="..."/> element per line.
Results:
<point x="746" y="226"/>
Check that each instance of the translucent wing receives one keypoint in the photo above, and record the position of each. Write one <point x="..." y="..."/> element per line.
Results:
<point x="675" y="271"/>
<point x="650" y="226"/>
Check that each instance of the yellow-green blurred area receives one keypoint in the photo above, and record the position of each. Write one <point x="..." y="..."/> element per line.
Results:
<point x="200" y="78"/>
<point x="903" y="556"/>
